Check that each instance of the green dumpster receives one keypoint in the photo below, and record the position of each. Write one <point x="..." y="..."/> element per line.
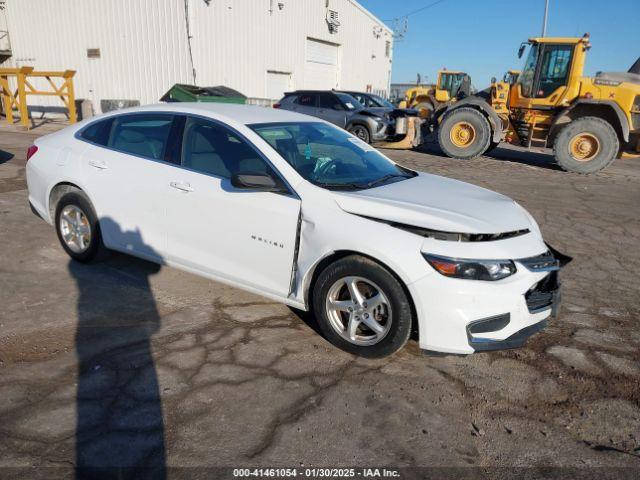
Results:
<point x="192" y="93"/>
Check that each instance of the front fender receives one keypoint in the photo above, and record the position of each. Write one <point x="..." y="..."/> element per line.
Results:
<point x="623" y="122"/>
<point x="482" y="105"/>
<point x="317" y="244"/>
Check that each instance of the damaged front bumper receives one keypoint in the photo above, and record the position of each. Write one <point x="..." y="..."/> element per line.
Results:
<point x="409" y="132"/>
<point x="464" y="316"/>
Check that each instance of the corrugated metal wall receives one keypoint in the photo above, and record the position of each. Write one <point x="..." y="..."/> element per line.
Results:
<point x="144" y="48"/>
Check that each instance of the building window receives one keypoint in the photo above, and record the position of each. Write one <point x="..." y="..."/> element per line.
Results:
<point x="387" y="49"/>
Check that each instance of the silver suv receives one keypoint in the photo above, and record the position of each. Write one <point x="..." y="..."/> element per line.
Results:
<point x="342" y="110"/>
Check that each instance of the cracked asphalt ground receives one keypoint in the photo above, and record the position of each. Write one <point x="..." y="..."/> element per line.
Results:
<point x="128" y="363"/>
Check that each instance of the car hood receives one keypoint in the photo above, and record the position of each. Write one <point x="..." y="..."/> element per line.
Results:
<point x="391" y="112"/>
<point x="437" y="203"/>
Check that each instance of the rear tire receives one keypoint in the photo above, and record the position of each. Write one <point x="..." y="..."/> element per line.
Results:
<point x="384" y="305"/>
<point x="586" y="145"/>
<point x="78" y="228"/>
<point x="464" y="133"/>
<point x="361" y="132"/>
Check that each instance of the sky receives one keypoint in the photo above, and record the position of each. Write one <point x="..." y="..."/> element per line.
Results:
<point x="482" y="37"/>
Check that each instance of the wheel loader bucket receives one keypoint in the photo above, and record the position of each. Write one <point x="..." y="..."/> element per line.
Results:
<point x="412" y="138"/>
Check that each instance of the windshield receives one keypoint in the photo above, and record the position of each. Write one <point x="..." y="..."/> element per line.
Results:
<point x="349" y="102"/>
<point x="451" y="82"/>
<point x="330" y="157"/>
<point x="381" y="101"/>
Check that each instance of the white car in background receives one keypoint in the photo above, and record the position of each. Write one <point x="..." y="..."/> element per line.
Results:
<point x="297" y="210"/>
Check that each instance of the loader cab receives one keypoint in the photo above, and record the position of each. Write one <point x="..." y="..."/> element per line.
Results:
<point x="551" y="72"/>
<point x="450" y="84"/>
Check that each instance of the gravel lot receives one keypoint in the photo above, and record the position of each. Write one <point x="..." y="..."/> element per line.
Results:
<point x="127" y="362"/>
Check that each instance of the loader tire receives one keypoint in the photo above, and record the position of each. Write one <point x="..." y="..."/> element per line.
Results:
<point x="464" y="133"/>
<point x="492" y="146"/>
<point x="425" y="110"/>
<point x="586" y="145"/>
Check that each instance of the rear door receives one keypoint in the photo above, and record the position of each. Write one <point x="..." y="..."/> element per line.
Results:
<point x="244" y="236"/>
<point x="306" y="103"/>
<point x="128" y="181"/>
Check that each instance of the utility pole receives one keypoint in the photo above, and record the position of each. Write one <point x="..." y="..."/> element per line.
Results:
<point x="544" y="20"/>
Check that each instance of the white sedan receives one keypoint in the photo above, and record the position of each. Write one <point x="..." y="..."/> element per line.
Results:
<point x="297" y="210"/>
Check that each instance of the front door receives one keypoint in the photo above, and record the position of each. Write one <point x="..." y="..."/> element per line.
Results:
<point x="332" y="110"/>
<point x="243" y="236"/>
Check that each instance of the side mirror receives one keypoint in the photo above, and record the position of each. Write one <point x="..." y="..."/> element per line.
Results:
<point x="521" y="50"/>
<point x="493" y="80"/>
<point x="258" y="182"/>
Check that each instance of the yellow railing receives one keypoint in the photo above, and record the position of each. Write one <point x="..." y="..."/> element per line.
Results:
<point x="18" y="98"/>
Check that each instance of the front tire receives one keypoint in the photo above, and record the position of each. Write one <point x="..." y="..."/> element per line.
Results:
<point x="362" y="308"/>
<point x="361" y="132"/>
<point x="77" y="227"/>
<point x="425" y="110"/>
<point x="586" y="145"/>
<point x="492" y="146"/>
<point x="464" y="133"/>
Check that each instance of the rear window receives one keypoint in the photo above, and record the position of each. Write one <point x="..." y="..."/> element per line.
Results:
<point x="145" y="135"/>
<point x="98" y="132"/>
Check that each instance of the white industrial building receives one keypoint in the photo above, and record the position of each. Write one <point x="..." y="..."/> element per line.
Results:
<point x="135" y="50"/>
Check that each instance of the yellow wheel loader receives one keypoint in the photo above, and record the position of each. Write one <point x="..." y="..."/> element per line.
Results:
<point x="588" y="121"/>
<point x="426" y="100"/>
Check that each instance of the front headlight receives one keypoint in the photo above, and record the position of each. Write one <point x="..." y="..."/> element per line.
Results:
<point x="471" y="269"/>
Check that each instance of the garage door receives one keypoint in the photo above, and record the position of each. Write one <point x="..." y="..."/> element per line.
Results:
<point x="277" y="84"/>
<point x="321" y="66"/>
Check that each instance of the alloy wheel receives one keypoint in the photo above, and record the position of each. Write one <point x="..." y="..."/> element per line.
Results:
<point x="358" y="310"/>
<point x="75" y="229"/>
<point x="361" y="133"/>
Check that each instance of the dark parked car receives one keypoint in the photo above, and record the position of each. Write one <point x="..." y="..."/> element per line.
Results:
<point x="341" y="109"/>
<point x="376" y="103"/>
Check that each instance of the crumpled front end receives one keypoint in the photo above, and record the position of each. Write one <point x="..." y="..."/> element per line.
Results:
<point x="466" y="316"/>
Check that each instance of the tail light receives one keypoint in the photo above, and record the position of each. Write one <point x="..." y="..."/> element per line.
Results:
<point x="31" y="151"/>
<point x="276" y="105"/>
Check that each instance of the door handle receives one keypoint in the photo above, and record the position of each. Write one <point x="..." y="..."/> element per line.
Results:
<point x="100" y="165"/>
<point x="185" y="187"/>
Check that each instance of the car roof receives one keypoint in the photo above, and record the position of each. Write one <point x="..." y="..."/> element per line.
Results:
<point x="310" y="92"/>
<point x="243" y="114"/>
<point x="351" y="92"/>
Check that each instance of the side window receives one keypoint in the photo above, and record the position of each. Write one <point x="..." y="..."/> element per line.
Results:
<point x="554" y="72"/>
<point x="213" y="149"/>
<point x="98" y="132"/>
<point x="328" y="100"/>
<point x="307" y="100"/>
<point x="141" y="134"/>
